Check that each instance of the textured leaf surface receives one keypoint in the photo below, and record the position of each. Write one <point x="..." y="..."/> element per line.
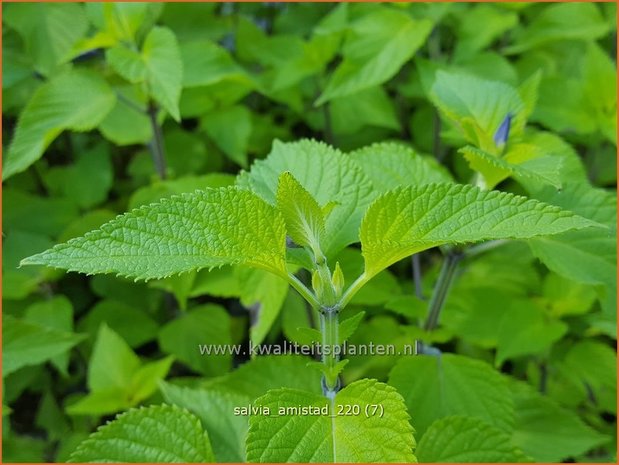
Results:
<point x="328" y="175"/>
<point x="209" y="228"/>
<point x="76" y="100"/>
<point x="215" y="409"/>
<point x="156" y="434"/>
<point x="378" y="45"/>
<point x="390" y="165"/>
<point x="408" y="220"/>
<point x="355" y="438"/>
<point x="547" y="432"/>
<point x="305" y="222"/>
<point x="436" y="387"/>
<point x="158" y="64"/>
<point x="25" y="343"/>
<point x="461" y="439"/>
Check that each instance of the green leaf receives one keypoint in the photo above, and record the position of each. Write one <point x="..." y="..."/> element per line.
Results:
<point x="436" y="387"/>
<point x="408" y="220"/>
<point x="588" y="256"/>
<point x="319" y="438"/>
<point x="209" y="228"/>
<point x="568" y="21"/>
<point x="305" y="222"/>
<point x="547" y="432"/>
<point x="159" y="64"/>
<point x="25" y="343"/>
<point x="78" y="100"/>
<point x="49" y="31"/>
<point x="230" y="129"/>
<point x="522" y="161"/>
<point x="159" y="433"/>
<point x="255" y="377"/>
<point x="477" y="107"/>
<point x="116" y="377"/>
<point x="206" y="324"/>
<point x="390" y="165"/>
<point x="369" y="107"/>
<point x="377" y="46"/>
<point x="263" y="294"/>
<point x="206" y="63"/>
<point x="328" y="175"/>
<point x="56" y="314"/>
<point x="216" y="410"/>
<point x="461" y="439"/>
<point x="525" y="329"/>
<point x="127" y="124"/>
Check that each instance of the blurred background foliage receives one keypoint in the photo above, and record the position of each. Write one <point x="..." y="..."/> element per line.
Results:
<point x="107" y="107"/>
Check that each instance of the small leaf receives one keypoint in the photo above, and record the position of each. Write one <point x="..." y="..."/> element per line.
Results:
<point x="328" y="176"/>
<point x="547" y="432"/>
<point x="230" y="129"/>
<point x="209" y="228"/>
<point x="378" y="45"/>
<point x="25" y="343"/>
<point x="157" y="434"/>
<point x="78" y="100"/>
<point x="460" y="439"/>
<point x="158" y="64"/>
<point x="408" y="220"/>
<point x="305" y="222"/>
<point x="341" y="438"/>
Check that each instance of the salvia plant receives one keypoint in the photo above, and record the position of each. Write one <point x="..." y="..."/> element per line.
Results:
<point x="271" y="161"/>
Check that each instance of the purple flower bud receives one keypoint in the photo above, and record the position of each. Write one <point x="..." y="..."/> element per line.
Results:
<point x="502" y="134"/>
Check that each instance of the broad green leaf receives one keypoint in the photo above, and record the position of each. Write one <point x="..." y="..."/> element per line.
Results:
<point x="461" y="439"/>
<point x="49" y="31"/>
<point x="408" y="220"/>
<point x="390" y="165"/>
<point x="547" y="432"/>
<point x="370" y="107"/>
<point x="25" y="343"/>
<point x="77" y="100"/>
<point x="56" y="314"/>
<point x="216" y="411"/>
<point x="182" y="337"/>
<point x="209" y="228"/>
<point x="525" y="330"/>
<point x="319" y="438"/>
<point x="588" y="256"/>
<point x="328" y="175"/>
<point x="436" y="387"/>
<point x="230" y="129"/>
<point x="567" y="21"/>
<point x="564" y="297"/>
<point x="305" y="223"/>
<point x="123" y="21"/>
<point x="472" y="38"/>
<point x="158" y="64"/>
<point x="377" y="46"/>
<point x="160" y="433"/>
<point x="117" y="379"/>
<point x="255" y="377"/>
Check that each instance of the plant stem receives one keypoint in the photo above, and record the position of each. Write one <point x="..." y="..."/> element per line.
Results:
<point x="441" y="289"/>
<point x="329" y="327"/>
<point x="303" y="290"/>
<point x="483" y="247"/>
<point x="353" y="289"/>
<point x="156" y="144"/>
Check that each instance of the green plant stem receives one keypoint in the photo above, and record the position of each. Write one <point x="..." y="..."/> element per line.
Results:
<point x="329" y="327"/>
<point x="483" y="247"/>
<point x="353" y="289"/>
<point x="416" y="264"/>
<point x="303" y="290"/>
<point x="441" y="289"/>
<point x="156" y="144"/>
